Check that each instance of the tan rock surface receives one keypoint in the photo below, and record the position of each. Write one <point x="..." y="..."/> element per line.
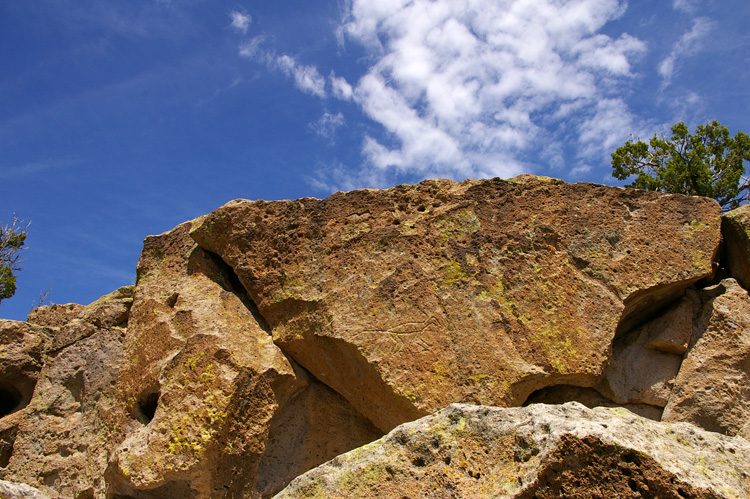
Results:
<point x="204" y="388"/>
<point x="712" y="389"/>
<point x="646" y="360"/>
<point x="538" y="451"/>
<point x="61" y="437"/>
<point x="407" y="299"/>
<point x="736" y="228"/>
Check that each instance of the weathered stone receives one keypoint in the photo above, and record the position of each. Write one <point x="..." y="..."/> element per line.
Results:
<point x="60" y="440"/>
<point x="639" y="375"/>
<point x="560" y="394"/>
<point x="712" y="389"/>
<point x="538" y="451"/>
<point x="63" y="439"/>
<point x="22" y="349"/>
<point x="10" y="490"/>
<point x="72" y="322"/>
<point x="671" y="332"/>
<point x="204" y="388"/>
<point x="407" y="299"/>
<point x="736" y="228"/>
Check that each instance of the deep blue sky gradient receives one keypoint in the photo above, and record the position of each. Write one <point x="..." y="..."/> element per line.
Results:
<point x="123" y="119"/>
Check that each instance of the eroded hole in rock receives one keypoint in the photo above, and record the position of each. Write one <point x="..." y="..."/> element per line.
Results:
<point x="147" y="405"/>
<point x="10" y="399"/>
<point x="172" y="300"/>
<point x="560" y="394"/>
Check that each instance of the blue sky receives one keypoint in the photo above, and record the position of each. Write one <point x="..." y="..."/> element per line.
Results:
<point x="123" y="119"/>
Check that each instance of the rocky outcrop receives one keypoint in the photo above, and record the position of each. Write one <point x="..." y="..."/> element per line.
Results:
<point x="538" y="451"/>
<point x="712" y="389"/>
<point x="62" y="437"/>
<point x="736" y="229"/>
<point x="482" y="291"/>
<point x="266" y="338"/>
<point x="210" y="405"/>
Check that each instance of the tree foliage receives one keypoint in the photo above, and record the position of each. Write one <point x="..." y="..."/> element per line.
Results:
<point x="12" y="238"/>
<point x="707" y="163"/>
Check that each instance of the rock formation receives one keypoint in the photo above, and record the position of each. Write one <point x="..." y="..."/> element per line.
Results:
<point x="540" y="451"/>
<point x="266" y="338"/>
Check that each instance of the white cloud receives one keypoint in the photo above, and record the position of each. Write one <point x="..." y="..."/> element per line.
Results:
<point x="327" y="125"/>
<point x="479" y="88"/>
<point x="307" y="78"/>
<point x="251" y="48"/>
<point x="475" y="88"/>
<point x="240" y="21"/>
<point x="341" y="88"/>
<point x="687" y="45"/>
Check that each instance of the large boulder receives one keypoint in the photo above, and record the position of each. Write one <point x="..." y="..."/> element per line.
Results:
<point x="407" y="299"/>
<point x="540" y="451"/>
<point x="712" y="389"/>
<point x="208" y="405"/>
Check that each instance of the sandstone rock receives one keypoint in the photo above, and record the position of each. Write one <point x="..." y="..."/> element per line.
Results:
<point x="72" y="322"/>
<point x="209" y="406"/>
<point x="10" y="490"/>
<point x="736" y="228"/>
<point x="22" y="349"/>
<point x="712" y="389"/>
<point x="538" y="451"/>
<point x="408" y="299"/>
<point x="61" y="438"/>
<point x="645" y="361"/>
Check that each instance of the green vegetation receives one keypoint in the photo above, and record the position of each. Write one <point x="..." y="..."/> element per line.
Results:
<point x="12" y="239"/>
<point x="707" y="163"/>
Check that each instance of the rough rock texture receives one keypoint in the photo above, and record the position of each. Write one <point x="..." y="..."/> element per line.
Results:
<point x="645" y="361"/>
<point x="712" y="389"/>
<point x="206" y="398"/>
<point x="268" y="337"/>
<point x="383" y="292"/>
<point x="736" y="228"/>
<point x="538" y="451"/>
<point x="10" y="490"/>
<point x="61" y="445"/>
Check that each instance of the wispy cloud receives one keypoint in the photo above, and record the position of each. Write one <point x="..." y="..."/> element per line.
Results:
<point x="306" y="77"/>
<point x="327" y="125"/>
<point x="240" y="21"/>
<point x="688" y="44"/>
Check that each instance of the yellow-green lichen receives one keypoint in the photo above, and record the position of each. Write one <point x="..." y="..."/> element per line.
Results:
<point x="459" y="225"/>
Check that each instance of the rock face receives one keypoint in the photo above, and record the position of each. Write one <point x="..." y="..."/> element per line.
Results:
<point x="477" y="292"/>
<point x="736" y="229"/>
<point x="266" y="338"/>
<point x="212" y="406"/>
<point x="62" y="436"/>
<point x="538" y="451"/>
<point x="712" y="389"/>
